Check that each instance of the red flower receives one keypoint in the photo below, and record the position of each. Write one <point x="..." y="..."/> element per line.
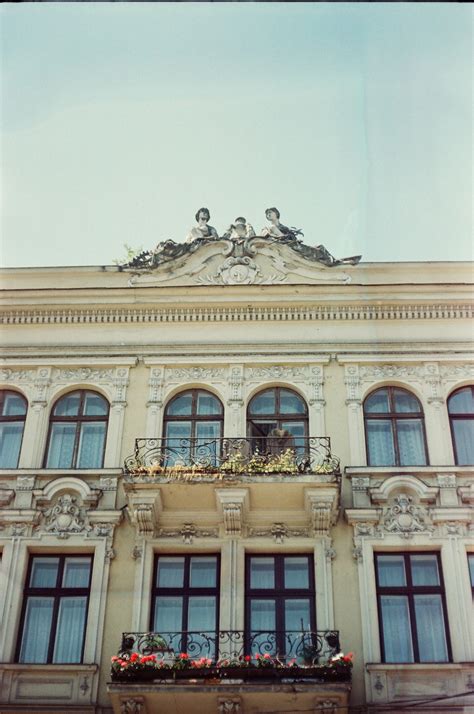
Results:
<point x="266" y="655"/>
<point x="134" y="656"/>
<point x="247" y="658"/>
<point x="183" y="655"/>
<point x="348" y="657"/>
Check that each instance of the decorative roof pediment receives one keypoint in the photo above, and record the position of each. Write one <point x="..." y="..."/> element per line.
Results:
<point x="235" y="260"/>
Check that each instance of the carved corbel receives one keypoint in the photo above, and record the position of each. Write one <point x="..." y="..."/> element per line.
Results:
<point x="232" y="506"/>
<point x="322" y="506"/>
<point x="144" y="511"/>
<point x="6" y="496"/>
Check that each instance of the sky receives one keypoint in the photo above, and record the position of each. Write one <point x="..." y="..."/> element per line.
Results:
<point x="120" y="120"/>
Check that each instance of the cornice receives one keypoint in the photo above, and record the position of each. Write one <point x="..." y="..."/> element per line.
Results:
<point x="248" y="313"/>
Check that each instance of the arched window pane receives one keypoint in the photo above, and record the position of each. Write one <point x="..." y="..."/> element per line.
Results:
<point x="77" y="431"/>
<point x="291" y="403"/>
<point x="95" y="405"/>
<point x="208" y="405"/>
<point x="263" y="403"/>
<point x="180" y="406"/>
<point x="462" y="402"/>
<point x="68" y="405"/>
<point x="13" y="405"/>
<point x="405" y="402"/>
<point x="377" y="402"/>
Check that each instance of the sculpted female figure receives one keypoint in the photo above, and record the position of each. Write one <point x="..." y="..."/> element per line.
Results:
<point x="202" y="230"/>
<point x="277" y="229"/>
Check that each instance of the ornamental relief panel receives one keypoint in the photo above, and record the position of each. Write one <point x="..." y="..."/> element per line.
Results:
<point x="435" y="380"/>
<point x="41" y="384"/>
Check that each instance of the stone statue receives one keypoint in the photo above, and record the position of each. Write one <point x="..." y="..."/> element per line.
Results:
<point x="202" y="230"/>
<point x="319" y="253"/>
<point x="277" y="229"/>
<point x="239" y="229"/>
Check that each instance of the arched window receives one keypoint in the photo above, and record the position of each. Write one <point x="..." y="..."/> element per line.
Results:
<point x="394" y="428"/>
<point x="277" y="418"/>
<point x="461" y="417"/>
<point x="77" y="431"/>
<point x="193" y="427"/>
<point x="13" y="408"/>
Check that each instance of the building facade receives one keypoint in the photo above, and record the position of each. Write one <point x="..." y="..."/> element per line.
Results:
<point x="245" y="451"/>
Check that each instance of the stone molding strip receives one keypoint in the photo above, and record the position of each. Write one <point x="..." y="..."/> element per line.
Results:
<point x="431" y="311"/>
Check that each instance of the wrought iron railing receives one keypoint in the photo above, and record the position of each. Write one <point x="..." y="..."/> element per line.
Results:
<point x="246" y="455"/>
<point x="307" y="647"/>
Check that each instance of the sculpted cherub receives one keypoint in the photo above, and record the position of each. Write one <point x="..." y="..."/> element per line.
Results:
<point x="239" y="229"/>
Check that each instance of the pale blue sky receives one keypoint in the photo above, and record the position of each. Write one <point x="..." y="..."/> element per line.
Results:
<point x="119" y="120"/>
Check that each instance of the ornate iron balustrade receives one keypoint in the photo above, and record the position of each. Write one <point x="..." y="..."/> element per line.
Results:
<point x="308" y="648"/>
<point x="244" y="455"/>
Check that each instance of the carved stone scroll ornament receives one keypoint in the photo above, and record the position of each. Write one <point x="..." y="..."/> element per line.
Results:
<point x="132" y="706"/>
<point x="66" y="517"/>
<point x="404" y="518"/>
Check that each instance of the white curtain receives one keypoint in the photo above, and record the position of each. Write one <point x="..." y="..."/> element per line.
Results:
<point x="70" y="629"/>
<point x="262" y="618"/>
<point x="91" y="445"/>
<point x="61" y="446"/>
<point x="464" y="440"/>
<point x="10" y="442"/>
<point x="430" y="628"/>
<point x="36" y="630"/>
<point x="396" y="629"/>
<point x="380" y="442"/>
<point x="411" y="442"/>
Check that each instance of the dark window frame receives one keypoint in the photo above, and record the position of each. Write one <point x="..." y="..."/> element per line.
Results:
<point x="186" y="591"/>
<point x="458" y="416"/>
<point x="279" y="593"/>
<point x="5" y="419"/>
<point x="470" y="556"/>
<point x="278" y="416"/>
<point x="58" y="592"/>
<point x="78" y="420"/>
<point x="409" y="590"/>
<point x="394" y="416"/>
<point x="193" y="417"/>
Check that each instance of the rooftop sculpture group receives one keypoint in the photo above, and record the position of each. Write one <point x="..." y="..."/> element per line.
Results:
<point x="238" y="234"/>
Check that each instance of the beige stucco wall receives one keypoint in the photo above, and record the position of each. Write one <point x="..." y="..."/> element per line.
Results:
<point x="398" y="318"/>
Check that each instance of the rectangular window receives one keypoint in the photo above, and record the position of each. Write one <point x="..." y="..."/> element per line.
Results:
<point x="54" y="616"/>
<point x="412" y="608"/>
<point x="280" y="603"/>
<point x="186" y="603"/>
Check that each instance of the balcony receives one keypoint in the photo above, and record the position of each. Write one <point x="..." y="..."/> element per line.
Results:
<point x="226" y="458"/>
<point x="231" y="654"/>
<point x="230" y="671"/>
<point x="244" y="487"/>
